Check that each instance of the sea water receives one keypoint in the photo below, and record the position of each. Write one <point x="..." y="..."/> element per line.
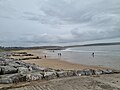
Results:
<point x="107" y="56"/>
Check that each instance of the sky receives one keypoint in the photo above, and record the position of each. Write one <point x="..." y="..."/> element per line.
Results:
<point x="58" y="22"/>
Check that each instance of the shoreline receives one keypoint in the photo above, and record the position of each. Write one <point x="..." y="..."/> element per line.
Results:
<point x="63" y="72"/>
<point x="57" y="63"/>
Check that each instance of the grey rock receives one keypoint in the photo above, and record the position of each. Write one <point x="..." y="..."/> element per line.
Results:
<point x="12" y="78"/>
<point x="98" y="72"/>
<point x="8" y="70"/>
<point x="34" y="67"/>
<point x="71" y="73"/>
<point x="89" y="72"/>
<point x="23" y="70"/>
<point x="34" y="76"/>
<point x="62" y="74"/>
<point x="85" y="72"/>
<point x="50" y="75"/>
<point x="107" y="71"/>
<point x="81" y="73"/>
<point x="14" y="64"/>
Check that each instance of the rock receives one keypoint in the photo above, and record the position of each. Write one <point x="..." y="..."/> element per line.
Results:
<point x="23" y="70"/>
<point x="2" y="63"/>
<point x="34" y="76"/>
<point x="34" y="67"/>
<point x="85" y="72"/>
<point x="14" y="64"/>
<point x="8" y="70"/>
<point x="89" y="72"/>
<point x="80" y="73"/>
<point x="2" y="59"/>
<point x="6" y="81"/>
<point x="107" y="71"/>
<point x="98" y="72"/>
<point x="71" y="73"/>
<point x="12" y="78"/>
<point x="62" y="74"/>
<point x="50" y="75"/>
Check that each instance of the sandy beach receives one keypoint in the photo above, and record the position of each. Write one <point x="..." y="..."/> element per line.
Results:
<point x="56" y="63"/>
<point x="97" y="82"/>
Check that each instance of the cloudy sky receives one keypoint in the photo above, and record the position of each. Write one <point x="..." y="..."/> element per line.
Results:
<point x="62" y="22"/>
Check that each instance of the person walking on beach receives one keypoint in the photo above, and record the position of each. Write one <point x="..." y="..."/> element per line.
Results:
<point x="93" y="54"/>
<point x="45" y="56"/>
<point x="60" y="54"/>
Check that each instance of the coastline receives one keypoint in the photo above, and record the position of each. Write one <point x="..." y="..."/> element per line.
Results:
<point x="57" y="63"/>
<point x="90" y="82"/>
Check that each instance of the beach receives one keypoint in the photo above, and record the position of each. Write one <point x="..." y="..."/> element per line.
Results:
<point x="57" y="62"/>
<point x="91" y="82"/>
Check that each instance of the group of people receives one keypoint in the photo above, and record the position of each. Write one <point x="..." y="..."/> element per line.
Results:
<point x="59" y="54"/>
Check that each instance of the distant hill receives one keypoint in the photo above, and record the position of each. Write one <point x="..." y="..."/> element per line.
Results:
<point x="94" y="44"/>
<point x="56" y="47"/>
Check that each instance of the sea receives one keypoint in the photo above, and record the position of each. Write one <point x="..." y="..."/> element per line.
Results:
<point x="104" y="56"/>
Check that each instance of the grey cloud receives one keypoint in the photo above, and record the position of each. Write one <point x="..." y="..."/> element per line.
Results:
<point x="76" y="12"/>
<point x="64" y="21"/>
<point x="94" y="34"/>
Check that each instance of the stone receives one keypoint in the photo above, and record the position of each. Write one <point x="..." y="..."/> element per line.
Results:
<point x="14" y="64"/>
<point x="98" y="72"/>
<point x="62" y="74"/>
<point x="8" y="70"/>
<point x="34" y="67"/>
<point x="50" y="75"/>
<point x="6" y="81"/>
<point x="34" y="76"/>
<point x="89" y="72"/>
<point x="107" y="71"/>
<point x="85" y="72"/>
<point x="12" y="78"/>
<point x="81" y="73"/>
<point x="71" y="73"/>
<point x="23" y="70"/>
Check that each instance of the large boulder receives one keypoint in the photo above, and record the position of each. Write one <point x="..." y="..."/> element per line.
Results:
<point x="23" y="70"/>
<point x="14" y="64"/>
<point x="61" y="74"/>
<point x="6" y="81"/>
<point x="86" y="72"/>
<point x="38" y="68"/>
<point x="12" y="78"/>
<point x="71" y="73"/>
<point x="81" y="72"/>
<point x="107" y="71"/>
<point x="34" y="76"/>
<point x="98" y="72"/>
<point x="50" y="75"/>
<point x="89" y="72"/>
<point x="8" y="70"/>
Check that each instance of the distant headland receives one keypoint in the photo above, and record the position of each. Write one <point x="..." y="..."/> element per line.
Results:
<point x="56" y="47"/>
